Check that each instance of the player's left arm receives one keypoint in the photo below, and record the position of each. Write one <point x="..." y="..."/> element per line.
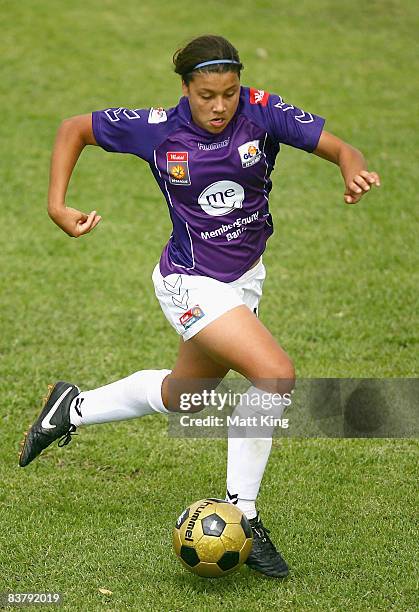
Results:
<point x="358" y="180"/>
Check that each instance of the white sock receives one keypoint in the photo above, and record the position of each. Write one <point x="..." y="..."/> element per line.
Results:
<point x="248" y="507"/>
<point x="247" y="455"/>
<point x="131" y="397"/>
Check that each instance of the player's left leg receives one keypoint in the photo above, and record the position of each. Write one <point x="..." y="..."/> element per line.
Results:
<point x="137" y="395"/>
<point x="53" y="422"/>
<point x="66" y="408"/>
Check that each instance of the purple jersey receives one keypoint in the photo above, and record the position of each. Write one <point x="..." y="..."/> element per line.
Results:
<point x="216" y="185"/>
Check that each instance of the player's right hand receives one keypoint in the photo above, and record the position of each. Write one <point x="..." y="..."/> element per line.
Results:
<point x="74" y="222"/>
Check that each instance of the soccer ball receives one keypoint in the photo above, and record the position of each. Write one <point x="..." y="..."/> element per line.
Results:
<point x="212" y="538"/>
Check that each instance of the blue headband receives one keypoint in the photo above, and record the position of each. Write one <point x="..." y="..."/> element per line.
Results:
<point x="213" y="62"/>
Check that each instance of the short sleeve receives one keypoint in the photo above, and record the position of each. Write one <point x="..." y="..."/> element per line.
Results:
<point x="285" y="123"/>
<point x="125" y="130"/>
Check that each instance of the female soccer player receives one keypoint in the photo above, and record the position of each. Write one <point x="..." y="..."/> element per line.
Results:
<point x="212" y="156"/>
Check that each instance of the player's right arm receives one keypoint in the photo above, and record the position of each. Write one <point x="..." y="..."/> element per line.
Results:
<point x="73" y="135"/>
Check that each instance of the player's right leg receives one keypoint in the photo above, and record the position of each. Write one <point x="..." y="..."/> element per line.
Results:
<point x="238" y="340"/>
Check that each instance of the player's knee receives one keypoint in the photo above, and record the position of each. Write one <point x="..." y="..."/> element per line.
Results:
<point x="286" y="377"/>
<point x="278" y="377"/>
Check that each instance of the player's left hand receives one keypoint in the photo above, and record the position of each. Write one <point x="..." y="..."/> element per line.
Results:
<point x="360" y="185"/>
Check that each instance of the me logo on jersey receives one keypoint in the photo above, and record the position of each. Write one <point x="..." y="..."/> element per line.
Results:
<point x="250" y="153"/>
<point x="178" y="168"/>
<point x="221" y="198"/>
<point x="258" y="96"/>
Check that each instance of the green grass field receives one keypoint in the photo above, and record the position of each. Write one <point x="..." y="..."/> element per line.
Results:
<point x="341" y="297"/>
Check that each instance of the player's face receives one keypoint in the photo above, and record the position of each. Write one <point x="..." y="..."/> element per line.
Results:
<point x="213" y="99"/>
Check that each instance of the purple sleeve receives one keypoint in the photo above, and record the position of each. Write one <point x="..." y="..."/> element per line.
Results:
<point x="124" y="130"/>
<point x="285" y="122"/>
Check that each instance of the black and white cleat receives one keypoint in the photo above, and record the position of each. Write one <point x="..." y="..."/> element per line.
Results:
<point x="52" y="423"/>
<point x="264" y="557"/>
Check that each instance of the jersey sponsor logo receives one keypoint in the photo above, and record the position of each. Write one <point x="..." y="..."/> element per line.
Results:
<point x="221" y="198"/>
<point x="178" y="167"/>
<point x="259" y="96"/>
<point x="191" y="316"/>
<point x="250" y="153"/>
<point x="157" y="115"/>
<point x="231" y="230"/>
<point x="214" y="145"/>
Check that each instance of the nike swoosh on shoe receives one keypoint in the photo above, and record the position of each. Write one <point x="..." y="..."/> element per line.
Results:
<point x="46" y="421"/>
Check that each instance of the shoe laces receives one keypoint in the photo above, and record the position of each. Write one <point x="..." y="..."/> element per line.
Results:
<point x="262" y="532"/>
<point x="66" y="438"/>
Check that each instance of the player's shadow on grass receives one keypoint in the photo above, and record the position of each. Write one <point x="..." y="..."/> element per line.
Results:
<point x="351" y="408"/>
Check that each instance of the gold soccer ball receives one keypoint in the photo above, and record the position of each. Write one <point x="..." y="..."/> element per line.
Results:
<point x="212" y="538"/>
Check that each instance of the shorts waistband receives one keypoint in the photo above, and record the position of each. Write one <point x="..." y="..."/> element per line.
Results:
<point x="250" y="273"/>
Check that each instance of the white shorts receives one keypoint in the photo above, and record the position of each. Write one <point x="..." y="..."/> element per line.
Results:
<point x="190" y="303"/>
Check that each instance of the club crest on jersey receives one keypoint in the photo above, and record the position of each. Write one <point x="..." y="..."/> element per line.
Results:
<point x="259" y="96"/>
<point x="157" y="115"/>
<point x="250" y="153"/>
<point x="178" y="168"/>
<point x="191" y="316"/>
